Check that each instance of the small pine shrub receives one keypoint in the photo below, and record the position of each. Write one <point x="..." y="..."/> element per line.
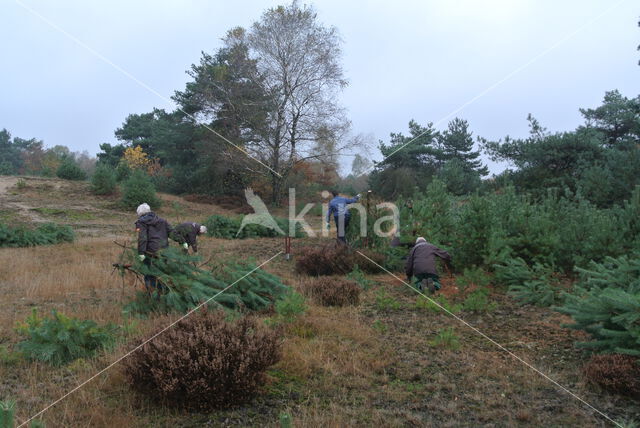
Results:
<point x="103" y="181"/>
<point x="204" y="362"/>
<point x="615" y="372"/>
<point x="333" y="291"/>
<point x="605" y="303"/>
<point x="7" y="413"/>
<point x="290" y="306"/>
<point x="335" y="260"/>
<point x="379" y="326"/>
<point x="138" y="189"/>
<point x="478" y="301"/>
<point x="528" y="285"/>
<point x="70" y="170"/>
<point x="446" y="338"/>
<point x="423" y="303"/>
<point x="472" y="277"/>
<point x="359" y="277"/>
<point x="44" y="234"/>
<point x="384" y="302"/>
<point x="219" y="226"/>
<point x="61" y="339"/>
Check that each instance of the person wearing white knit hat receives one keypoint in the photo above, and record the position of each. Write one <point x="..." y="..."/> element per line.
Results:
<point x="421" y="263"/>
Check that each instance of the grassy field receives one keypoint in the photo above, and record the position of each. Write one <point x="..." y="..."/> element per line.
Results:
<point x="391" y="361"/>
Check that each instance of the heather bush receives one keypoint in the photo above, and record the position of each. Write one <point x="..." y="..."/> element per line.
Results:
<point x="204" y="362"/>
<point x="61" y="339"/>
<point x="615" y="372"/>
<point x="332" y="291"/>
<point x="335" y="259"/>
<point x="44" y="234"/>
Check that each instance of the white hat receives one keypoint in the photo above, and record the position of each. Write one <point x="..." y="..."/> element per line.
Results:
<point x="143" y="209"/>
<point x="420" y="239"/>
<point x="203" y="229"/>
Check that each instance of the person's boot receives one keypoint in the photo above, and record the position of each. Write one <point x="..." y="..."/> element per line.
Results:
<point x="429" y="285"/>
<point x="419" y="285"/>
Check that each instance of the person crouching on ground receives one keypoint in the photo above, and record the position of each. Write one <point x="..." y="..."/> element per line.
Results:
<point x="186" y="234"/>
<point x="338" y="207"/>
<point x="421" y="263"/>
<point x="153" y="236"/>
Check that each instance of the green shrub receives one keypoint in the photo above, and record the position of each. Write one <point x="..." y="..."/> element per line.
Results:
<point x="379" y="326"/>
<point x="204" y="362"/>
<point x="528" y="285"/>
<point x="186" y="285"/>
<point x="423" y="303"/>
<point x="359" y="277"/>
<point x="446" y="338"/>
<point x="478" y="301"/>
<point x="290" y="306"/>
<point x="606" y="304"/>
<point x="44" y="234"/>
<point x="138" y="189"/>
<point x="69" y="170"/>
<point x="7" y="413"/>
<point x="385" y="302"/>
<point x="219" y="226"/>
<point x="61" y="339"/>
<point x="103" y="181"/>
<point x="472" y="277"/>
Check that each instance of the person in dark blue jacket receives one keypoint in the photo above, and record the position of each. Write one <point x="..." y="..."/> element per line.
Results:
<point x="338" y="208"/>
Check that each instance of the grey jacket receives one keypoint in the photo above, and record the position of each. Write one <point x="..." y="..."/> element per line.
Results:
<point x="422" y="259"/>
<point x="153" y="233"/>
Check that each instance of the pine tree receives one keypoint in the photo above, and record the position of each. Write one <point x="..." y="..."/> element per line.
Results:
<point x="457" y="143"/>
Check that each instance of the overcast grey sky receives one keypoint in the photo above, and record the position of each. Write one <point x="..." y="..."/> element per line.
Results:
<point x="403" y="59"/>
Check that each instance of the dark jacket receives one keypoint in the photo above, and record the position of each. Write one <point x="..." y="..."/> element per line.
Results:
<point x="422" y="259"/>
<point x="153" y="233"/>
<point x="186" y="232"/>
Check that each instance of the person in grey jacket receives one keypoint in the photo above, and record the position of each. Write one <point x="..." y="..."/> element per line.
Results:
<point x="421" y="263"/>
<point x="186" y="234"/>
<point x="153" y="236"/>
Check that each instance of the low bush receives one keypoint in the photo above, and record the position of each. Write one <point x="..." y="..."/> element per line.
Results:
<point x="61" y="339"/>
<point x="103" y="181"/>
<point x="358" y="276"/>
<point x="446" y="338"/>
<point x="478" y="301"/>
<point x="423" y="303"/>
<point x="336" y="259"/>
<point x="70" y="170"/>
<point x="219" y="226"/>
<point x="605" y="303"/>
<point x="332" y="291"/>
<point x="204" y="362"/>
<point x="138" y="189"/>
<point x="44" y="234"/>
<point x="615" y="372"/>
<point x="290" y="306"/>
<point x="528" y="285"/>
<point x="385" y="302"/>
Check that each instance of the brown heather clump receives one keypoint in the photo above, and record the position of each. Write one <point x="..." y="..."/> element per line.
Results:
<point x="336" y="259"/>
<point x="204" y="362"/>
<point x="332" y="291"/>
<point x="615" y="372"/>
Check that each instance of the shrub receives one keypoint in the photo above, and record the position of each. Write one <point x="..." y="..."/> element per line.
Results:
<point x="204" y="362"/>
<point x="333" y="291"/>
<point x="335" y="259"/>
<point x="478" y="301"/>
<point x="472" y="277"/>
<point x="70" y="170"/>
<point x="138" y="189"/>
<point x="186" y="285"/>
<point x="424" y="303"/>
<point x="446" y="338"/>
<point x="359" y="277"/>
<point x="219" y="226"/>
<point x="615" y="372"/>
<point x="290" y="306"/>
<point x="384" y="302"/>
<point x="103" y="181"/>
<point x="528" y="285"/>
<point x="60" y="339"/>
<point x="606" y="304"/>
<point x="44" y="234"/>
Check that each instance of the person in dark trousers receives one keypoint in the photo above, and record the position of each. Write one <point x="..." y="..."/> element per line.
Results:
<point x="338" y="208"/>
<point x="153" y="236"/>
<point x="421" y="263"/>
<point x="186" y="234"/>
